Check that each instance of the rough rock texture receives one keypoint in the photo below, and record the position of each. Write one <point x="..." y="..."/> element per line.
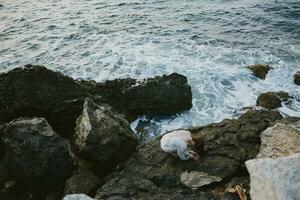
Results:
<point x="275" y="178"/>
<point x="272" y="100"/>
<point x="103" y="136"/>
<point x="227" y="146"/>
<point x="77" y="197"/>
<point x="36" y="156"/>
<point x="33" y="91"/>
<point x="280" y="140"/>
<point x="82" y="182"/>
<point x="260" y="70"/>
<point x="297" y="78"/>
<point x="162" y="95"/>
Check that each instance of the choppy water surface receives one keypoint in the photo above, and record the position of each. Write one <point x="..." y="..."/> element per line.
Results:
<point x="210" y="42"/>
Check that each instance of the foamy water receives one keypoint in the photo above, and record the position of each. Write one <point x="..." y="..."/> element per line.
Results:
<point x="210" y="42"/>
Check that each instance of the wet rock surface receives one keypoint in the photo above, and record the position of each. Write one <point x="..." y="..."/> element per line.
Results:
<point x="161" y="95"/>
<point x="297" y="78"/>
<point x="260" y="70"/>
<point x="272" y="100"/>
<point x="36" y="157"/>
<point x="104" y="137"/>
<point x="227" y="146"/>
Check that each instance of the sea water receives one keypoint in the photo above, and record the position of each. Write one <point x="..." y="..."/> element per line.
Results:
<point x="209" y="41"/>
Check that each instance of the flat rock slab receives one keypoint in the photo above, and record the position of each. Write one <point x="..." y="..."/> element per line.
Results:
<point x="276" y="179"/>
<point x="196" y="179"/>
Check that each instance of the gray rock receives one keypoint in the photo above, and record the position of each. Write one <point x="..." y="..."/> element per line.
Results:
<point x="196" y="179"/>
<point x="280" y="140"/>
<point x="36" y="156"/>
<point x="277" y="179"/>
<point x="103" y="137"/>
<point x="77" y="197"/>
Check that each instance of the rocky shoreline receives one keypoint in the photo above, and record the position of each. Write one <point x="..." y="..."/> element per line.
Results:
<point x="61" y="136"/>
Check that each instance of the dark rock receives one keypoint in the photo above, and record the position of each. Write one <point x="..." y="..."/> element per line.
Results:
<point x="103" y="137"/>
<point x="162" y="95"/>
<point x="272" y="100"/>
<point x="83" y="182"/>
<point x="297" y="78"/>
<point x="36" y="157"/>
<point x="260" y="70"/>
<point x="33" y="91"/>
<point x="227" y="146"/>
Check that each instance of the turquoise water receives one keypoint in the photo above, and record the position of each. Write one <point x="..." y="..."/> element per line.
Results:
<point x="209" y="41"/>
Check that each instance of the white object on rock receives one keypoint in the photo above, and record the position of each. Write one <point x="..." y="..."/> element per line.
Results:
<point x="77" y="197"/>
<point x="177" y="142"/>
<point x="275" y="179"/>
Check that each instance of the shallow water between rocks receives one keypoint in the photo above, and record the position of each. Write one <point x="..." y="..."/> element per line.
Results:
<point x="210" y="42"/>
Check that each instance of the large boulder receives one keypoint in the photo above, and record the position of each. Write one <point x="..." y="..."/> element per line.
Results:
<point x="36" y="157"/>
<point x="280" y="140"/>
<point x="34" y="91"/>
<point x="297" y="78"/>
<point x="274" y="173"/>
<point x="275" y="178"/>
<point x="104" y="137"/>
<point x="272" y="100"/>
<point x="161" y="95"/>
<point x="260" y="70"/>
<point x="227" y="146"/>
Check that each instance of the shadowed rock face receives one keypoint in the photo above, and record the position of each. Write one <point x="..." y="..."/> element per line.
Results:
<point x="103" y="137"/>
<point x="36" y="157"/>
<point x="227" y="146"/>
<point x="162" y="95"/>
<point x="260" y="70"/>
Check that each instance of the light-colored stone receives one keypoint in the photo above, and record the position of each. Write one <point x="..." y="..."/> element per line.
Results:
<point x="77" y="197"/>
<point x="196" y="179"/>
<point x="280" y="140"/>
<point x="275" y="179"/>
